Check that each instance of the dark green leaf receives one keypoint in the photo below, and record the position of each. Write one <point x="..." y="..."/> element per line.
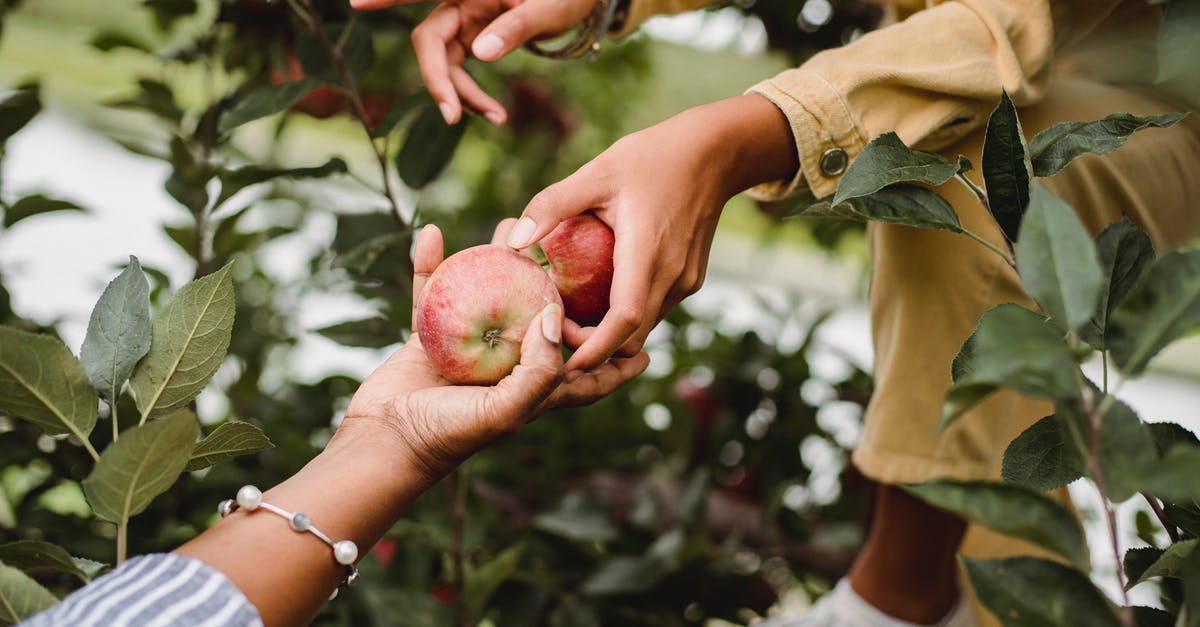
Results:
<point x="42" y="382"/>
<point x="189" y="178"/>
<point x="1170" y="563"/>
<point x="1057" y="260"/>
<point x="35" y="556"/>
<point x="1168" y="434"/>
<point x="1052" y="149"/>
<point x="1032" y="592"/>
<point x="1006" y="169"/>
<point x="1126" y="451"/>
<point x="153" y="97"/>
<point x="234" y="181"/>
<point x="623" y="574"/>
<point x="1125" y="253"/>
<point x="1173" y="478"/>
<point x="483" y="581"/>
<point x="263" y="101"/>
<point x="886" y="161"/>
<point x="1165" y="307"/>
<point x="17" y="110"/>
<point x="141" y="465"/>
<point x="1012" y="510"/>
<point x="375" y="332"/>
<point x="899" y="204"/>
<point x="36" y="204"/>
<point x="20" y="596"/>
<point x="227" y="441"/>
<point x="1189" y="614"/>
<point x="429" y="147"/>
<point x="578" y="518"/>
<point x="190" y="338"/>
<point x="399" y="111"/>
<point x="1152" y="617"/>
<point x="118" y="333"/>
<point x="1043" y="457"/>
<point x="1136" y="561"/>
<point x="1011" y="347"/>
<point x="109" y="40"/>
<point x="1186" y="517"/>
<point x="381" y="250"/>
<point x="358" y="52"/>
<point x="574" y="613"/>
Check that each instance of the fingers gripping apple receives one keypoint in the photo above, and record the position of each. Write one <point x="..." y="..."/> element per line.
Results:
<point x="475" y="309"/>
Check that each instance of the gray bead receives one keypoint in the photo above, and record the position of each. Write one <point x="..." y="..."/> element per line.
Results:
<point x="300" y="521"/>
<point x="225" y="507"/>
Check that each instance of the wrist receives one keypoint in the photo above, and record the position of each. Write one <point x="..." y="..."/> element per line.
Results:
<point x="749" y="139"/>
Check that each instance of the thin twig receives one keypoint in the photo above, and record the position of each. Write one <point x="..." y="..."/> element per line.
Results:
<point x="112" y="411"/>
<point x="1007" y="256"/>
<point x="122" y="541"/>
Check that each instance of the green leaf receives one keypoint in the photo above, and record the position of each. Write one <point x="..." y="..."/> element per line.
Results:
<point x="1170" y="563"/>
<point x="1057" y="260"/>
<point x="1052" y="149"/>
<point x="1125" y="253"/>
<point x="1032" y="592"/>
<point x="399" y="111"/>
<point x="1012" y="510"/>
<point x="899" y="204"/>
<point x="20" y="596"/>
<point x="1007" y="172"/>
<point x="1173" y="478"/>
<point x="17" y="110"/>
<point x="429" y="147"/>
<point x="188" y="182"/>
<point x="228" y="440"/>
<point x="375" y="332"/>
<point x="623" y="574"/>
<point x="118" y="333"/>
<point x="1189" y="614"/>
<point x="191" y="335"/>
<point x="234" y="181"/>
<point x="109" y="40"/>
<point x="36" y="204"/>
<point x="1179" y="43"/>
<point x="1152" y="617"/>
<point x="1011" y="347"/>
<point x="1186" y="517"/>
<point x="263" y="101"/>
<point x="693" y="500"/>
<point x="1042" y="457"/>
<point x="152" y="97"/>
<point x="376" y="258"/>
<point x="483" y="581"/>
<point x="42" y="382"/>
<point x="578" y="518"/>
<point x="886" y="161"/>
<point x="33" y="556"/>
<point x="1168" y="434"/>
<point x="1136" y="561"/>
<point x="141" y="465"/>
<point x="1126" y="452"/>
<point x="1165" y="307"/>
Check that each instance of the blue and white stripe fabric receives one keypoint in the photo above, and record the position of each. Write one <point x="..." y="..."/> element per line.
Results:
<point x="157" y="590"/>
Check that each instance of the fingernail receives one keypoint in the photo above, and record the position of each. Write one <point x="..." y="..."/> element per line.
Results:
<point x="488" y="47"/>
<point x="495" y="117"/>
<point x="519" y="237"/>
<point x="552" y="323"/>
<point x="447" y="112"/>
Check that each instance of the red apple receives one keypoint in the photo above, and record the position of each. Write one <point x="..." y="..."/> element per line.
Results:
<point x="579" y="254"/>
<point x="475" y="309"/>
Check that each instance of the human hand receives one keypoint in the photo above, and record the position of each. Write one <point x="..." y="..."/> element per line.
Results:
<point x="443" y="424"/>
<point x="661" y="190"/>
<point x="486" y="29"/>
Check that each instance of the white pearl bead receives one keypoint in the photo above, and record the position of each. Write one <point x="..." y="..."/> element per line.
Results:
<point x="249" y="498"/>
<point x="345" y="552"/>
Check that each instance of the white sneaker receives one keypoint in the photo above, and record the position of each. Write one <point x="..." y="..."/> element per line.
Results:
<point x="842" y="607"/>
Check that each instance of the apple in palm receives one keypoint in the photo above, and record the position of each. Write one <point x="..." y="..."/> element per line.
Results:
<point x="579" y="257"/>
<point x="474" y="310"/>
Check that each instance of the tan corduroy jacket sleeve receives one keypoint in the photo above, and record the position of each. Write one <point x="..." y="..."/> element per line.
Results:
<point x="932" y="78"/>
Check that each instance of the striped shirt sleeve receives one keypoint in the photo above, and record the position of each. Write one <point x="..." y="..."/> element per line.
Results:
<point x="156" y="590"/>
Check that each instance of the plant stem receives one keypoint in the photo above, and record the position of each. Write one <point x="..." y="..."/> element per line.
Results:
<point x="112" y="411"/>
<point x="1094" y="418"/>
<point x="1172" y="532"/>
<point x="90" y="449"/>
<point x="122" y="545"/>
<point x="457" y="496"/>
<point x="1008" y="256"/>
<point x="980" y="194"/>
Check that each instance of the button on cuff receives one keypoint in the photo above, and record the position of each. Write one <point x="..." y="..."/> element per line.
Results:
<point x="833" y="162"/>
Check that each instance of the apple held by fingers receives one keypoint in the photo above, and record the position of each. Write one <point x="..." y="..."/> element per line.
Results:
<point x="475" y="308"/>
<point x="579" y="256"/>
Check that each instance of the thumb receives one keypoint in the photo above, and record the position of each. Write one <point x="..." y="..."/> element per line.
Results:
<point x="567" y="198"/>
<point x="539" y="373"/>
<point x="527" y="21"/>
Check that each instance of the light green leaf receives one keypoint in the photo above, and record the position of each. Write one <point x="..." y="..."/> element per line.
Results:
<point x="376" y="332"/>
<point x="1012" y="510"/>
<point x="623" y="574"/>
<point x="234" y="181"/>
<point x="1007" y="171"/>
<point x="1043" y="457"/>
<point x="141" y="465"/>
<point x="1170" y="563"/>
<point x="227" y="441"/>
<point x="483" y="581"/>
<point x="265" y="100"/>
<point x="886" y="161"/>
<point x="1165" y="307"/>
<point x="20" y="596"/>
<point x="118" y="333"/>
<point x="1057" y="260"/>
<point x="428" y="148"/>
<point x="899" y="204"/>
<point x="42" y="382"/>
<point x="36" y="204"/>
<point x="1125" y="253"/>
<point x="34" y="556"/>
<point x="1032" y="592"/>
<point x="1179" y="45"/>
<point x="1126" y="452"/>
<point x="17" y="110"/>
<point x="577" y="518"/>
<point x="191" y="335"/>
<point x="1011" y="347"/>
<point x="1052" y="149"/>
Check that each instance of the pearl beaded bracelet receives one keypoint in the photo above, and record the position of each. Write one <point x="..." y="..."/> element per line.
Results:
<point x="249" y="498"/>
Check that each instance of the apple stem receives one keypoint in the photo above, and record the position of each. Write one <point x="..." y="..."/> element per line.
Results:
<point x="492" y="337"/>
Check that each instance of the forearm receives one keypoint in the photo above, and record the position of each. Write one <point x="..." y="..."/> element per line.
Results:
<point x="354" y="490"/>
